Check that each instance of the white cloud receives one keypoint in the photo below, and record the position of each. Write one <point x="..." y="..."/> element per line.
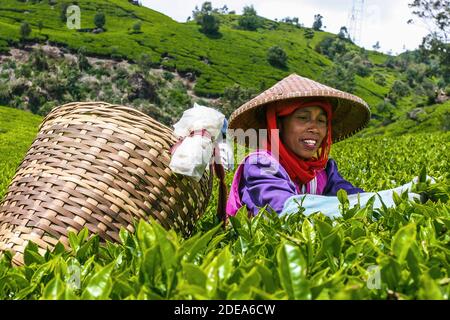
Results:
<point x="384" y="21"/>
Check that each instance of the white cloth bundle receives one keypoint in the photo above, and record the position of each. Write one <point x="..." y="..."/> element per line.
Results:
<point x="192" y="156"/>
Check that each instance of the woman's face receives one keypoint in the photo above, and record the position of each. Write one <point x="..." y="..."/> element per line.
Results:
<point x="303" y="131"/>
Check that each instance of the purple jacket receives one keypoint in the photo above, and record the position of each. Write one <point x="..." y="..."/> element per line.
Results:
<point x="261" y="180"/>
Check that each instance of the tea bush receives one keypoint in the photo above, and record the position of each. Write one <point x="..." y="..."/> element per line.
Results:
<point x="387" y="253"/>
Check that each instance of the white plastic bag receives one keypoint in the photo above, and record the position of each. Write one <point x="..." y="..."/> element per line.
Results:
<point x="193" y="155"/>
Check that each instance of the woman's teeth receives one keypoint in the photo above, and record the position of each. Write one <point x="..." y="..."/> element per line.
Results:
<point x="310" y="142"/>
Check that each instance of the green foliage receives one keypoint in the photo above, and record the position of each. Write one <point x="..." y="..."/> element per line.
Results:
<point x="216" y="62"/>
<point x="45" y="81"/>
<point x="379" y="79"/>
<point x="308" y="33"/>
<point x="436" y="13"/>
<point x="399" y="89"/>
<point x="343" y="33"/>
<point x="277" y="57"/>
<point x="25" y="30"/>
<point x="234" y="97"/>
<point x="63" y="12"/>
<point x="317" y="24"/>
<point x="331" y="47"/>
<point x="340" y="77"/>
<point x="207" y="18"/>
<point x="137" y="27"/>
<point x="249" y="19"/>
<point x="145" y="63"/>
<point x="387" y="253"/>
<point x="100" y="19"/>
<point x="17" y="130"/>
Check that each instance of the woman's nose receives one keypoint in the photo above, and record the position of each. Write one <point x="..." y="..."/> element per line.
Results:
<point x="313" y="125"/>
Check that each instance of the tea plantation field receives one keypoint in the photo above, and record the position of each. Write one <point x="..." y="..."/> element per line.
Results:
<point x="389" y="253"/>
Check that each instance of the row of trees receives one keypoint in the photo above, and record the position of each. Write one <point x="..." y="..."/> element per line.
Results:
<point x="208" y="19"/>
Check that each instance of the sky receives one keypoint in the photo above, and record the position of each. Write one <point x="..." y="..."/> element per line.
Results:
<point x="384" y="20"/>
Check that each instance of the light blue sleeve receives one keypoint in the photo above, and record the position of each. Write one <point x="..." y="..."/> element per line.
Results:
<point x="329" y="205"/>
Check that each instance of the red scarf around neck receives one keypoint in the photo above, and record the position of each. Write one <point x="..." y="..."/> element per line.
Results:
<point x="300" y="171"/>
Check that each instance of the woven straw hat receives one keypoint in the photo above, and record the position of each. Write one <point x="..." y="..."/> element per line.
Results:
<point x="350" y="113"/>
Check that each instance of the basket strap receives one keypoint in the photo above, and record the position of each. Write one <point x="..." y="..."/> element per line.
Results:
<point x="218" y="170"/>
<point x="220" y="174"/>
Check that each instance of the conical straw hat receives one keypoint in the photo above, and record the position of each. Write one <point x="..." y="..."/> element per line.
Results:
<point x="350" y="113"/>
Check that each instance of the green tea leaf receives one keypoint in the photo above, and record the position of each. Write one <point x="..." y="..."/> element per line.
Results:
<point x="191" y="248"/>
<point x="31" y="254"/>
<point x="403" y="240"/>
<point x="194" y="275"/>
<point x="100" y="285"/>
<point x="54" y="290"/>
<point x="342" y="197"/>
<point x="429" y="289"/>
<point x="267" y="278"/>
<point x="292" y="271"/>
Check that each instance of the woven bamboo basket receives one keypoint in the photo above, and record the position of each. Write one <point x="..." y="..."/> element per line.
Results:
<point x="99" y="166"/>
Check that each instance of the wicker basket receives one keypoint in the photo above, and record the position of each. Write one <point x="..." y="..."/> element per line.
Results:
<point x="99" y="166"/>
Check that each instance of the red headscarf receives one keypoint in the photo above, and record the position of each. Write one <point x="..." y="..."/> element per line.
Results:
<point x="300" y="171"/>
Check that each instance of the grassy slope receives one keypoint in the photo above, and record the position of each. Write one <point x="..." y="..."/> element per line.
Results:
<point x="17" y="131"/>
<point x="237" y="56"/>
<point x="435" y="118"/>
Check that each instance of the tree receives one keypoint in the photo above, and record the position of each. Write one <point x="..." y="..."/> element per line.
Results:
<point x="235" y="96"/>
<point x="294" y="21"/>
<point x="63" y="13"/>
<point x="39" y="60"/>
<point x="376" y="46"/>
<point x="137" y="27"/>
<point x="379" y="79"/>
<point x="317" y="22"/>
<point x="399" y="89"/>
<point x="249" y="19"/>
<point x="437" y="42"/>
<point x="340" y="78"/>
<point x="343" y="33"/>
<point x="277" y="57"/>
<point x="145" y="62"/>
<point x="40" y="26"/>
<point x="99" y="20"/>
<point x="438" y="11"/>
<point x="82" y="61"/>
<point x="224" y="9"/>
<point x="25" y="30"/>
<point x="207" y="18"/>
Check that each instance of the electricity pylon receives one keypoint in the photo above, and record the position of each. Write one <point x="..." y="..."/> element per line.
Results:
<point x="355" y="18"/>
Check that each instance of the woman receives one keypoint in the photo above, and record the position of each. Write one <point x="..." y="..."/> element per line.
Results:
<point x="310" y="116"/>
